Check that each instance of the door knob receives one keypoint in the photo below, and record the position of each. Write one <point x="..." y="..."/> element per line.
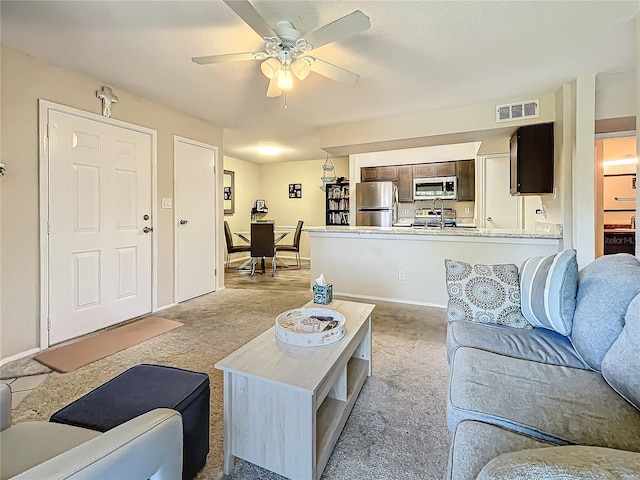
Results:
<point x="489" y="219"/>
<point x="184" y="222"/>
<point x="147" y="229"/>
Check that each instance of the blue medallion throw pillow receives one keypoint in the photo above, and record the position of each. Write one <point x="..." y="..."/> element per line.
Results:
<point x="484" y="294"/>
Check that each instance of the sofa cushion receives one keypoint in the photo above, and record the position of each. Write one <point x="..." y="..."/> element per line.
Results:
<point x="605" y="288"/>
<point x="561" y="463"/>
<point x="548" y="287"/>
<point x="552" y="403"/>
<point x="538" y="345"/>
<point x="474" y="444"/>
<point x="484" y="294"/>
<point x="621" y="364"/>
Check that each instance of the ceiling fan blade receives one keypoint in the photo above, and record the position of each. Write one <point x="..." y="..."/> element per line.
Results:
<point x="341" y="28"/>
<point x="333" y="72"/>
<point x="273" y="90"/>
<point x="251" y="17"/>
<point x="224" y="58"/>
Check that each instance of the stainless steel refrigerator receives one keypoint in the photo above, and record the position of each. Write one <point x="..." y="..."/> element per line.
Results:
<point x="376" y="204"/>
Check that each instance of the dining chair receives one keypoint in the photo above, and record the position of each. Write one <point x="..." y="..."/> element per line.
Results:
<point x="231" y="248"/>
<point x="295" y="247"/>
<point x="262" y="246"/>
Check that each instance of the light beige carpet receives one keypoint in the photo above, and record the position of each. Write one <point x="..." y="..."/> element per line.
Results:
<point x="397" y="429"/>
<point x="107" y="342"/>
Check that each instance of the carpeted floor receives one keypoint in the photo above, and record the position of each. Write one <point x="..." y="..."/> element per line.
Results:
<point x="397" y="429"/>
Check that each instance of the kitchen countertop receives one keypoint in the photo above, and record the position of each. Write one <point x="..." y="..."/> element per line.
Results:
<point x="431" y="231"/>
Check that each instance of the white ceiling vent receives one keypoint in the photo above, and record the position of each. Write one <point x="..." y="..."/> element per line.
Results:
<point x="516" y="111"/>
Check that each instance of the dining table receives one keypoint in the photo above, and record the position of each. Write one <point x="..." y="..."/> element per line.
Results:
<point x="279" y="233"/>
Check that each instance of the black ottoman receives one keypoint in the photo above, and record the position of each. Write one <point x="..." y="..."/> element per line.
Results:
<point x="141" y="389"/>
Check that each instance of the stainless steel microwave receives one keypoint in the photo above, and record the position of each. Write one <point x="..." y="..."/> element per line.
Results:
<point x="435" y="187"/>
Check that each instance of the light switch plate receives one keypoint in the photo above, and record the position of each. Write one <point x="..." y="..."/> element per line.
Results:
<point x="167" y="202"/>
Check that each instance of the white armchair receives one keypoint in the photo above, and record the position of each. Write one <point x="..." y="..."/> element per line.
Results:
<point x="147" y="447"/>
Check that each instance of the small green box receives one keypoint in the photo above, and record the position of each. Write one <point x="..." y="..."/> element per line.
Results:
<point x="323" y="294"/>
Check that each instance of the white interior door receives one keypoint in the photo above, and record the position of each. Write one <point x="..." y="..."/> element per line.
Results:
<point x="195" y="217"/>
<point x="100" y="257"/>
<point x="501" y="209"/>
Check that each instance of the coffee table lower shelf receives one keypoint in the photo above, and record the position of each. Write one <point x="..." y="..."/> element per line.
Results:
<point x="333" y="413"/>
<point x="277" y="418"/>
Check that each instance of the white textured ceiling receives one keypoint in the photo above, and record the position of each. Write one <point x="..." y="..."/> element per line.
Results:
<point x="418" y="56"/>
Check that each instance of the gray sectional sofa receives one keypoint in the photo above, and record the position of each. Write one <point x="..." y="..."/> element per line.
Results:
<point x="534" y="403"/>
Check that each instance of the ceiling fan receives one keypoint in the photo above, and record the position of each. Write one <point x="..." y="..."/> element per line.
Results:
<point x="286" y="50"/>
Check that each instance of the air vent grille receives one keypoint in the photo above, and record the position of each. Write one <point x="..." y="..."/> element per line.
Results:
<point x="517" y="111"/>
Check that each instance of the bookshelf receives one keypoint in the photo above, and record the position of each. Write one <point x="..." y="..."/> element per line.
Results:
<point x="337" y="204"/>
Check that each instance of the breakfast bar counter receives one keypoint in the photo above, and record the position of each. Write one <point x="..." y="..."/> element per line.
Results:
<point x="434" y="231"/>
<point x="406" y="264"/>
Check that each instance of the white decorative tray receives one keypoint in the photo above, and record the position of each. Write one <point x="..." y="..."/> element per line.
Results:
<point x="310" y="327"/>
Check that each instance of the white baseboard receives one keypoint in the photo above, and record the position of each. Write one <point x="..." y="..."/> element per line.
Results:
<point x="19" y="356"/>
<point x="386" y="299"/>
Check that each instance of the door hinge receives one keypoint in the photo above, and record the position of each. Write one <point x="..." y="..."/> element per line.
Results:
<point x="215" y="271"/>
<point x="48" y="323"/>
<point x="48" y="227"/>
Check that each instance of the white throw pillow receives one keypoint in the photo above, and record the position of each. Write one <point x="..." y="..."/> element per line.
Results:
<point x="548" y="287"/>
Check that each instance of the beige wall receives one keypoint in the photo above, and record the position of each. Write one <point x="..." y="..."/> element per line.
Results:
<point x="466" y="124"/>
<point x="24" y="80"/>
<point x="271" y="183"/>
<point x="247" y="190"/>
<point x="274" y="188"/>
<point x="613" y="94"/>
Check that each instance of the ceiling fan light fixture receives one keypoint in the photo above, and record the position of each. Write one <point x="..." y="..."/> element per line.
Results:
<point x="300" y="68"/>
<point x="285" y="80"/>
<point x="270" y="67"/>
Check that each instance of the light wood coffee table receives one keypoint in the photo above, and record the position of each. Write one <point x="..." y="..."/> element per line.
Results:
<point x="285" y="406"/>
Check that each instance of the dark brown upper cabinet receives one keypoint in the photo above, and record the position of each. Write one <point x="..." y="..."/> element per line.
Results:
<point x="440" y="169"/>
<point x="531" y="155"/>
<point x="405" y="183"/>
<point x="379" y="174"/>
<point x="466" y="173"/>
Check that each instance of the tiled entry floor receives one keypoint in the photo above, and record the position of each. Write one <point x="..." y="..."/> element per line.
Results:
<point x="21" y="387"/>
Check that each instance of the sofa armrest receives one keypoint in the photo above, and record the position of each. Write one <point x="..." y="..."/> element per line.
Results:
<point x="146" y="447"/>
<point x="5" y="406"/>
<point x="575" y="462"/>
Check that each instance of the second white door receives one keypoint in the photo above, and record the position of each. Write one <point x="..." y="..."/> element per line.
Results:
<point x="195" y="218"/>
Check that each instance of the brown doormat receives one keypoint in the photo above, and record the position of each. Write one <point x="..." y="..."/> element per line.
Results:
<point x="83" y="352"/>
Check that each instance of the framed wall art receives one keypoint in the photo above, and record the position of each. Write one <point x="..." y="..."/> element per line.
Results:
<point x="228" y="193"/>
<point x="295" y="190"/>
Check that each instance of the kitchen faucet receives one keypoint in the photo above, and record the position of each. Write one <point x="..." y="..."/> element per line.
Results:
<point x="441" y="222"/>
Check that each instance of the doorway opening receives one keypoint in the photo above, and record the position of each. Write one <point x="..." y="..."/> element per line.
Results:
<point x="616" y="193"/>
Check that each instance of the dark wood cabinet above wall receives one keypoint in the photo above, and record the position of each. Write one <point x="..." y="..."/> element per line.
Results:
<point x="531" y="152"/>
